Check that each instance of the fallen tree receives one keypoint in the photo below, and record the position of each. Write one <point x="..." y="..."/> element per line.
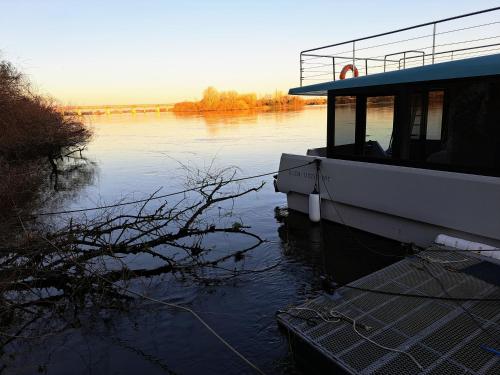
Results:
<point x="51" y="276"/>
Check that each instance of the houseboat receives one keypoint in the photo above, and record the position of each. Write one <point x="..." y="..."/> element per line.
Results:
<point x="435" y="168"/>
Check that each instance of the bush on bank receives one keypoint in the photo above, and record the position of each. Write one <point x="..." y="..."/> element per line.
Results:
<point x="31" y="126"/>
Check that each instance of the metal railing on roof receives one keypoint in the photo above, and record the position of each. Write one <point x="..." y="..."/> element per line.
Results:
<point x="464" y="36"/>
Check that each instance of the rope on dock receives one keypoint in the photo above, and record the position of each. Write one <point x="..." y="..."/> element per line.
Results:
<point x="354" y="322"/>
<point x="337" y="316"/>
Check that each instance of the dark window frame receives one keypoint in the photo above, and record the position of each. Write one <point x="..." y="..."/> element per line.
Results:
<point x="402" y="115"/>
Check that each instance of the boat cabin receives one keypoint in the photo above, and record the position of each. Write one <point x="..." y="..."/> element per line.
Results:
<point x="445" y="116"/>
<point x="413" y="138"/>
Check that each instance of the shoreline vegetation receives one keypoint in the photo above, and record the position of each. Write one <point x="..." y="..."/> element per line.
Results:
<point x="34" y="139"/>
<point x="213" y="101"/>
<point x="31" y="125"/>
<point x="228" y="101"/>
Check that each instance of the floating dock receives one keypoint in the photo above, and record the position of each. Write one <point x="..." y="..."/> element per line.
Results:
<point x="386" y="322"/>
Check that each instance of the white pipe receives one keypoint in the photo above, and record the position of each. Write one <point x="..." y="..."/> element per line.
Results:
<point x="461" y="244"/>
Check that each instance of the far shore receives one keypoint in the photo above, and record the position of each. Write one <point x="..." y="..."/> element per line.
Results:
<point x="224" y="101"/>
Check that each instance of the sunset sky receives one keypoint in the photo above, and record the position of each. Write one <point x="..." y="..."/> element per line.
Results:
<point x="96" y="52"/>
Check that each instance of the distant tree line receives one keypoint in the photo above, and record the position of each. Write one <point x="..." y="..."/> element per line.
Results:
<point x="214" y="100"/>
<point x="370" y="100"/>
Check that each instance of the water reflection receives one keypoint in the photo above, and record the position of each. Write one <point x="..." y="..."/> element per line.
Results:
<point x="136" y="155"/>
<point x="341" y="253"/>
<point x="34" y="186"/>
<point x="150" y="338"/>
<point x="219" y="122"/>
<point x="72" y="173"/>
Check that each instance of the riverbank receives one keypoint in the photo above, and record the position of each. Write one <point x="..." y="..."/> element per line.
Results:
<point x="226" y="101"/>
<point x="34" y="137"/>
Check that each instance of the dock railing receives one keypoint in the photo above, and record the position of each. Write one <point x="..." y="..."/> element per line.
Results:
<point x="464" y="36"/>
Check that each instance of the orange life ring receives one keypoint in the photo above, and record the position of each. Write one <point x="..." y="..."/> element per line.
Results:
<point x="348" y="67"/>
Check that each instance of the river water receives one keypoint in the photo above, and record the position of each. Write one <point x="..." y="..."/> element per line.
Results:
<point x="137" y="154"/>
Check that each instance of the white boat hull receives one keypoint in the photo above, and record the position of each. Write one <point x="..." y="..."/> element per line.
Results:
<point x="410" y="205"/>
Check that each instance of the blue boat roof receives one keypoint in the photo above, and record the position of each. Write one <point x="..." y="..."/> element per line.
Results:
<point x="472" y="67"/>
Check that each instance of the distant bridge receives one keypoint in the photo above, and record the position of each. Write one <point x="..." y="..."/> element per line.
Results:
<point x="84" y="110"/>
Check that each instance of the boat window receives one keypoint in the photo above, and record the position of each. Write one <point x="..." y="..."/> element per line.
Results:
<point x="472" y="136"/>
<point x="426" y="117"/>
<point x="345" y="120"/>
<point x="452" y="128"/>
<point x="416" y="115"/>
<point x="379" y="125"/>
<point x="435" y="115"/>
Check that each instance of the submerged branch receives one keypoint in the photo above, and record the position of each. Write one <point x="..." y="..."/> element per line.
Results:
<point x="86" y="262"/>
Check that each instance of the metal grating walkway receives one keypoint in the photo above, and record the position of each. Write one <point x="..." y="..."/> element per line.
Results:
<point x="443" y="336"/>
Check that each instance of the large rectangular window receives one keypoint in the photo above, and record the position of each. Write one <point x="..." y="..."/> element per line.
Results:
<point x="435" y="115"/>
<point x="426" y="126"/>
<point x="379" y="126"/>
<point x="345" y="120"/>
<point x="451" y="127"/>
<point x="471" y="138"/>
<point x="345" y="126"/>
<point x="416" y="115"/>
